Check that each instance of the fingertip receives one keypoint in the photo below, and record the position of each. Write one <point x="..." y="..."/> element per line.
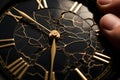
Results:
<point x="104" y="2"/>
<point x="109" y="6"/>
<point x="110" y="27"/>
<point x="109" y="22"/>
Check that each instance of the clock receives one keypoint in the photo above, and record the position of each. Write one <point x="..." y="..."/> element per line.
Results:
<point x="52" y="40"/>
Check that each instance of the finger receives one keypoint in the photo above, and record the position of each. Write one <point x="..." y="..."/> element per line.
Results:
<point x="110" y="26"/>
<point x="109" y="6"/>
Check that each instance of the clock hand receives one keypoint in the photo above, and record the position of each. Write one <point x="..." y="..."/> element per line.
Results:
<point x="53" y="53"/>
<point x="54" y="34"/>
<point x="32" y="20"/>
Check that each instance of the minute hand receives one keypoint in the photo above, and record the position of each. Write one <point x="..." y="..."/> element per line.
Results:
<point x="32" y="20"/>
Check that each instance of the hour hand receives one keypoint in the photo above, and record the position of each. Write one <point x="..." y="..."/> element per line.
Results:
<point x="54" y="34"/>
<point x="24" y="15"/>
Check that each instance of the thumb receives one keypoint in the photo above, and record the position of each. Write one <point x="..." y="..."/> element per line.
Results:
<point x="110" y="26"/>
<point x="109" y="6"/>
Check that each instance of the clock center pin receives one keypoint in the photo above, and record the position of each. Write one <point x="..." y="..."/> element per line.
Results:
<point x="54" y="33"/>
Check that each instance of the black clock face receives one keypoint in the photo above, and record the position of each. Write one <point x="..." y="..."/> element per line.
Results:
<point x="52" y="40"/>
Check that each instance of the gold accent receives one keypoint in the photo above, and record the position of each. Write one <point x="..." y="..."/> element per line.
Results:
<point x="8" y="44"/>
<point x="17" y="18"/>
<point x="24" y="70"/>
<point x="53" y="75"/>
<point x="17" y="65"/>
<point x="40" y="5"/>
<point x="80" y="74"/>
<point x="54" y="33"/>
<point x="12" y="64"/>
<point x="101" y="59"/>
<point x="99" y="55"/>
<point x="46" y="75"/>
<point x="53" y="53"/>
<point x="5" y="40"/>
<point x="75" y="7"/>
<point x="18" y="68"/>
<point x="31" y="19"/>
<point x="102" y="55"/>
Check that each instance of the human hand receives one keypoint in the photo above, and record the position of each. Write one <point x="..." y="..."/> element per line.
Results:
<point x="110" y="22"/>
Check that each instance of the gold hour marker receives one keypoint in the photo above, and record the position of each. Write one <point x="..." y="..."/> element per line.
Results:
<point x="10" y="42"/>
<point x="42" y="4"/>
<point x="80" y="74"/>
<point x="17" y="18"/>
<point x="75" y="7"/>
<point x="53" y="76"/>
<point x="97" y="32"/>
<point x="46" y="75"/>
<point x="18" y="68"/>
<point x="103" y="59"/>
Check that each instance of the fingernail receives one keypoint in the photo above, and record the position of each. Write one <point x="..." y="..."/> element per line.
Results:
<point x="109" y="22"/>
<point x="104" y="2"/>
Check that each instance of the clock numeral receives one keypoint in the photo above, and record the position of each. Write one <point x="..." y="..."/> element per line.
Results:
<point x="7" y="42"/>
<point x="103" y="59"/>
<point x="80" y="74"/>
<point x="42" y="4"/>
<point x="17" y="18"/>
<point x="52" y="77"/>
<point x="18" y="68"/>
<point x="75" y="7"/>
<point x="46" y="75"/>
